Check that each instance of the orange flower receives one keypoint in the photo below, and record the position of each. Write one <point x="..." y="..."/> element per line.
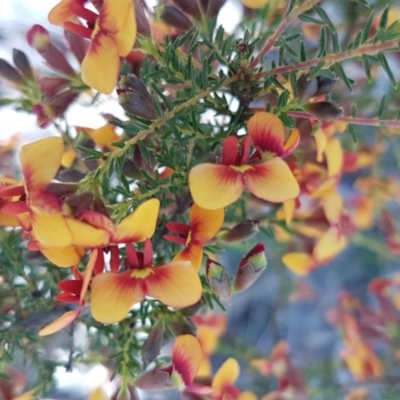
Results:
<point x="113" y="294"/>
<point x="112" y="34"/>
<point x="186" y="357"/>
<point x="203" y="226"/>
<point x="263" y="173"/>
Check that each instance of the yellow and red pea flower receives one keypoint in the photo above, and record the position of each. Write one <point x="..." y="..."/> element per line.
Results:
<point x="203" y="226"/>
<point x="112" y="34"/>
<point x="262" y="172"/>
<point x="224" y="379"/>
<point x="176" y="284"/>
<point x="185" y="361"/>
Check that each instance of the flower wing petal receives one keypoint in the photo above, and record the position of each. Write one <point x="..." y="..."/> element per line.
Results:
<point x="299" y="263"/>
<point x="186" y="357"/>
<point x="100" y="67"/>
<point x="60" y="322"/>
<point x="63" y="256"/>
<point x="40" y="162"/>
<point x="112" y="296"/>
<point x="192" y="253"/>
<point x="215" y="186"/>
<point x="226" y="375"/>
<point x="139" y="225"/>
<point x="205" y="224"/>
<point x="176" y="284"/>
<point x="272" y="181"/>
<point x="266" y="133"/>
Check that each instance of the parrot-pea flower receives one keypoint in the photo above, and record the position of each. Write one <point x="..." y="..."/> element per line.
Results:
<point x="203" y="226"/>
<point x="113" y="294"/>
<point x="185" y="360"/>
<point x="262" y="172"/>
<point x="223" y="380"/>
<point x="112" y="34"/>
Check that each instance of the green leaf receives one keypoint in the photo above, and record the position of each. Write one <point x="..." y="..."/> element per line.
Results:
<point x="342" y="75"/>
<point x="145" y="152"/>
<point x="362" y="2"/>
<point x="324" y="16"/>
<point x="382" y="106"/>
<point x="352" y="132"/>
<point x="93" y="153"/>
<point x="5" y="377"/>
<point x="335" y="42"/>
<point x="367" y="27"/>
<point x="303" y="52"/>
<point x="367" y="70"/>
<point x="384" y="18"/>
<point x="315" y="70"/>
<point x="354" y="110"/>
<point x="385" y="65"/>
<point x="322" y="42"/>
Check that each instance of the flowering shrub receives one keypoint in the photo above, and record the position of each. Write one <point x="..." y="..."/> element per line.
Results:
<point x="249" y="142"/>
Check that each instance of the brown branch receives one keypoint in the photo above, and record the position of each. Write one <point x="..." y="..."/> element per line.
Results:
<point x="386" y="123"/>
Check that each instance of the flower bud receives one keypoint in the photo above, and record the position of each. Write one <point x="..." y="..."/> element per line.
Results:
<point x="189" y="7"/>
<point x="21" y="61"/>
<point x="142" y="23"/>
<point x="325" y="110"/>
<point x="213" y="7"/>
<point x="193" y="309"/>
<point x="173" y="17"/>
<point x="218" y="279"/>
<point x="182" y="326"/>
<point x="11" y="74"/>
<point x="155" y="379"/>
<point x="250" y="268"/>
<point x="324" y="85"/>
<point x="243" y="230"/>
<point x="134" y="97"/>
<point x="306" y="88"/>
<point x="77" y="45"/>
<point x="152" y="345"/>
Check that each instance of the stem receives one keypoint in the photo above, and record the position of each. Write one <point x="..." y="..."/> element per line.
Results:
<point x="167" y="116"/>
<point x="333" y="58"/>
<point x="286" y="21"/>
<point x="387" y="123"/>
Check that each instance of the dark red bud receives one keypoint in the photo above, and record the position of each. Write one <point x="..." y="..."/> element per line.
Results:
<point x="152" y="345"/>
<point x="155" y="379"/>
<point x="243" y="230"/>
<point x="11" y="74"/>
<point x="173" y="17"/>
<point x="218" y="279"/>
<point x="182" y="326"/>
<point x="306" y="88"/>
<point x="21" y="61"/>
<point x="189" y="7"/>
<point x="142" y="23"/>
<point x="325" y="110"/>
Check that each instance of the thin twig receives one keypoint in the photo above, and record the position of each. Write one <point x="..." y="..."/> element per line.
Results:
<point x="387" y="123"/>
<point x="286" y="21"/>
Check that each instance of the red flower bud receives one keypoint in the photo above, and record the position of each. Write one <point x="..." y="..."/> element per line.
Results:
<point x="156" y="379"/>
<point x="11" y="74"/>
<point x="325" y="110"/>
<point x="250" y="268"/>
<point x="173" y="17"/>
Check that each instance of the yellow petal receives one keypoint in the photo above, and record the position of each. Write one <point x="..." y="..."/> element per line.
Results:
<point x="113" y="15"/>
<point x="113" y="294"/>
<point x="98" y="394"/>
<point x="332" y="205"/>
<point x="126" y="37"/>
<point x="68" y="158"/>
<point x="40" y="162"/>
<point x="100" y="66"/>
<point x="60" y="323"/>
<point x="51" y="230"/>
<point x="205" y="224"/>
<point x="330" y="244"/>
<point x="226" y="375"/>
<point x="186" y="357"/>
<point x="247" y="395"/>
<point x="176" y="284"/>
<point x="272" y="181"/>
<point x="192" y="253"/>
<point x="61" y="12"/>
<point x="334" y="157"/>
<point x="85" y="235"/>
<point x="139" y="225"/>
<point x="63" y="256"/>
<point x="320" y="141"/>
<point x="103" y="136"/>
<point x="215" y="186"/>
<point x="299" y="263"/>
<point x="254" y="3"/>
<point x="288" y="209"/>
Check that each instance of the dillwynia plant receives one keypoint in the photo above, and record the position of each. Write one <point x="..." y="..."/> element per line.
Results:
<point x="122" y="229"/>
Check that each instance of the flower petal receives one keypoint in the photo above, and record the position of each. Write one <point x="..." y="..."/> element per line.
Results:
<point x="330" y="244"/>
<point x="226" y="375"/>
<point x="334" y="157"/>
<point x="176" y="284"/>
<point x="332" y="204"/>
<point x="272" y="181"/>
<point x="40" y="162"/>
<point x="60" y="323"/>
<point x="102" y="136"/>
<point x="51" y="230"/>
<point x="113" y="294"/>
<point x="254" y="3"/>
<point x="266" y="133"/>
<point x="85" y="235"/>
<point x="205" y="224"/>
<point x="100" y="67"/>
<point x="126" y="37"/>
<point x="140" y="225"/>
<point x="193" y="253"/>
<point x="299" y="263"/>
<point x="186" y="357"/>
<point x="63" y="256"/>
<point x="215" y="186"/>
